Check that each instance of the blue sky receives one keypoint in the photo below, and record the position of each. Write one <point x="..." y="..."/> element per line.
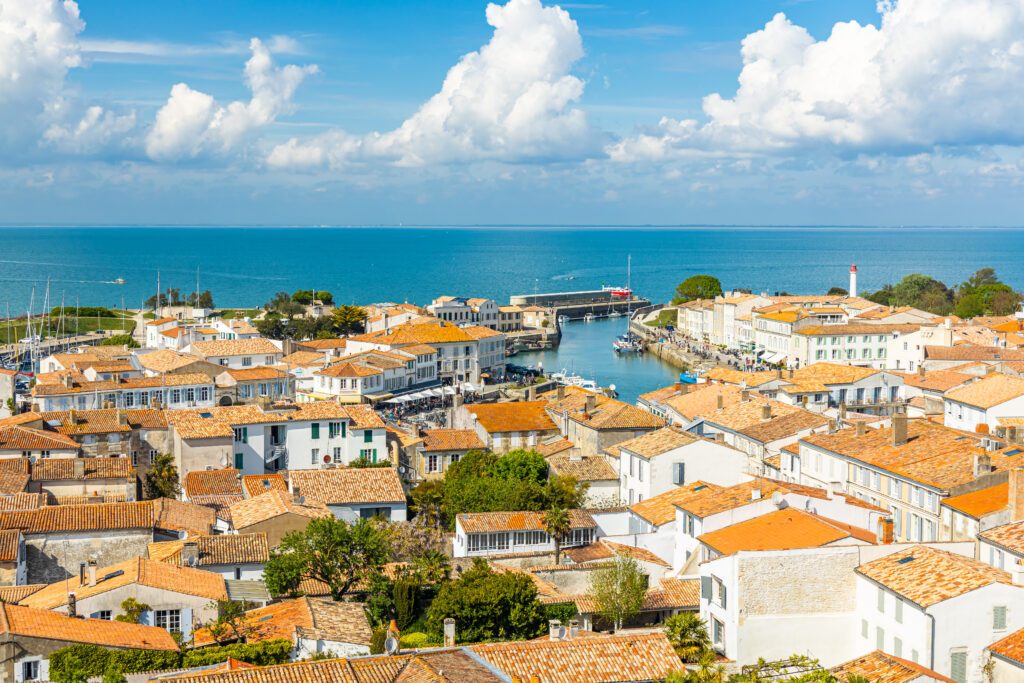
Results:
<point x="591" y="112"/>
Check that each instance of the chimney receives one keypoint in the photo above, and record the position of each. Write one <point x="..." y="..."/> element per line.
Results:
<point x="122" y="418"/>
<point x="72" y="417"/>
<point x="778" y="373"/>
<point x="574" y="628"/>
<point x="885" y="531"/>
<point x="1016" y="494"/>
<point x="862" y="427"/>
<point x="591" y="403"/>
<point x="1011" y="434"/>
<point x="449" y="632"/>
<point x="81" y="573"/>
<point x="91" y="569"/>
<point x="982" y="464"/>
<point x="79" y="468"/>
<point x="842" y="411"/>
<point x="560" y="392"/>
<point x="755" y="494"/>
<point x="791" y="373"/>
<point x="833" y="426"/>
<point x="189" y="554"/>
<point x="920" y="371"/>
<point x="1017" y="573"/>
<point x="554" y="629"/>
<point x="72" y="605"/>
<point x="744" y="396"/>
<point x="531" y="393"/>
<point x="457" y="400"/>
<point x="766" y="412"/>
<point x="721" y="401"/>
<point x="67" y="380"/>
<point x="684" y="389"/>
<point x="899" y="429"/>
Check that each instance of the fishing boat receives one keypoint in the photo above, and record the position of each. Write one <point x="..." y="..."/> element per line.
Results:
<point x="687" y="378"/>
<point x="119" y="281"/>
<point x="619" y="292"/>
<point x="573" y="380"/>
<point x="563" y="319"/>
<point x="588" y="318"/>
<point x="628" y="342"/>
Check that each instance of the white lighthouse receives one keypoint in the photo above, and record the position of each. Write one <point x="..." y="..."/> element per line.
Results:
<point x="853" y="279"/>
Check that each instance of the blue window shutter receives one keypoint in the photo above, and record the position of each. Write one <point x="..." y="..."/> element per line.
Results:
<point x="705" y="587"/>
<point x="724" y="605"/>
<point x="186" y="622"/>
<point x="679" y="473"/>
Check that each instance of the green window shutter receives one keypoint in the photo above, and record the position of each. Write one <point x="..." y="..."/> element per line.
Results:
<point x="343" y="429"/>
<point x="315" y="427"/>
<point x="958" y="666"/>
<point x="368" y="436"/>
<point x="245" y="435"/>
<point x="999" y="618"/>
<point x="239" y="461"/>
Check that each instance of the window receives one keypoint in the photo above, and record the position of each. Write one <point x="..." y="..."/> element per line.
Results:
<point x="152" y="456"/>
<point x="879" y="638"/>
<point x="30" y="671"/>
<point x="483" y="542"/>
<point x="169" y="619"/>
<point x="135" y="458"/>
<point x="999" y="618"/>
<point x="129" y="399"/>
<point x="718" y="633"/>
<point x="881" y="601"/>
<point x="239" y="461"/>
<point x="190" y="394"/>
<point x="678" y="473"/>
<point x="864" y="629"/>
<point x="104" y="614"/>
<point x="897" y="647"/>
<point x="241" y="434"/>
<point x="368" y="436"/>
<point x="333" y="429"/>
<point x="246" y="361"/>
<point x="175" y="395"/>
<point x="44" y="454"/>
<point x="368" y="454"/>
<point x="269" y="360"/>
<point x="899" y="610"/>
<point x="314" y="456"/>
<point x="337" y="453"/>
<point x="262" y="389"/>
<point x="433" y="462"/>
<point x="314" y="430"/>
<point x="958" y="666"/>
<point x="204" y="393"/>
<point x="238" y="573"/>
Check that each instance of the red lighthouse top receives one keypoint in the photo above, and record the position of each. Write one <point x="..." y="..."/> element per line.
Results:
<point x="853" y="268"/>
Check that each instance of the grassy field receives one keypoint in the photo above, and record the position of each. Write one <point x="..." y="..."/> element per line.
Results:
<point x="229" y="313"/>
<point x="665" y="317"/>
<point x="16" y="329"/>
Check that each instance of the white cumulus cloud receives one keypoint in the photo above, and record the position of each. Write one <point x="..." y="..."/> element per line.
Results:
<point x="192" y="123"/>
<point x="934" y="72"/>
<point x="511" y="100"/>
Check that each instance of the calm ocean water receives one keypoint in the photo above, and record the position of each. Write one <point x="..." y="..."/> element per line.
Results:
<point x="245" y="267"/>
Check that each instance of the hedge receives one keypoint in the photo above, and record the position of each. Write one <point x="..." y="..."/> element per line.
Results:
<point x="264" y="653"/>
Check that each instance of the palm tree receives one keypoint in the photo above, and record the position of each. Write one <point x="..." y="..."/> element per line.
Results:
<point x="433" y="567"/>
<point x="557" y="525"/>
<point x="708" y="671"/>
<point x="688" y="635"/>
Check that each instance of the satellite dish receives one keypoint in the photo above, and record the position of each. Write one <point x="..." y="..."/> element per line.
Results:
<point x="612" y="387"/>
<point x="401" y="469"/>
<point x="391" y="645"/>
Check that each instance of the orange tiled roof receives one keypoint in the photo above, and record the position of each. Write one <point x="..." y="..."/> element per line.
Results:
<point x="167" y="360"/>
<point x="1011" y="647"/>
<point x="78" y="518"/>
<point x="20" y="419"/>
<point x="786" y="529"/>
<point x="752" y="380"/>
<point x="639" y="657"/>
<point x="989" y="391"/>
<point x="140" y="571"/>
<point x="429" y="333"/>
<point x="325" y="343"/>
<point x="213" y="482"/>
<point x="175" y="515"/>
<point x="235" y="347"/>
<point x="935" y="380"/>
<point x="349" y="485"/>
<point x="982" y="502"/>
<point x="1009" y="536"/>
<point x="451" y="440"/>
<point x="550" y="447"/>
<point x="746" y="418"/>
<point x="582" y="467"/>
<point x="661" y="509"/>
<point x="304" y="358"/>
<point x="15" y="594"/>
<point x="219" y="549"/>
<point x="971" y="352"/>
<point x="54" y="469"/>
<point x="255" y="484"/>
<point x="710" y="501"/>
<point x="703" y="399"/>
<point x="879" y="667"/>
<point x="305" y="617"/>
<point x="27" y="622"/>
<point x="255" y="374"/>
<point x="927" y="576"/>
<point x="670" y="594"/>
<point x="608" y="413"/>
<point x="10" y="542"/>
<point x="250" y="511"/>
<point x="658" y="442"/>
<point x="18" y="438"/>
<point x="521" y="416"/>
<point x="477" y="522"/>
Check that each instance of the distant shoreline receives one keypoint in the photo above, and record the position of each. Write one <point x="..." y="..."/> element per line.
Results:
<point x="497" y="226"/>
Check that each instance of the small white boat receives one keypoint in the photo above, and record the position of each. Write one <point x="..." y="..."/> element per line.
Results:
<point x="562" y="319"/>
<point x="628" y="343"/>
<point x="588" y="318"/>
<point x="119" y="281"/>
<point x="615" y="314"/>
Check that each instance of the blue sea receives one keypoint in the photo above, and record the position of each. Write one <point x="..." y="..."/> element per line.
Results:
<point x="244" y="267"/>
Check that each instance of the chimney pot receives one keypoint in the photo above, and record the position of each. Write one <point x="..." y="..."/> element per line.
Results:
<point x="591" y="403"/>
<point x="920" y="371"/>
<point x="189" y="554"/>
<point x="449" y="632"/>
<point x="755" y="494"/>
<point x="1017" y="573"/>
<point x="79" y="468"/>
<point x="92" y="572"/>
<point x="574" y="628"/>
<point x="554" y="629"/>
<point x="766" y="412"/>
<point x="560" y="392"/>
<point x="862" y="427"/>
<point x="885" y="531"/>
<point x="721" y="401"/>
<point x="982" y="464"/>
<point x="744" y="396"/>
<point x="899" y="429"/>
<point x="72" y="605"/>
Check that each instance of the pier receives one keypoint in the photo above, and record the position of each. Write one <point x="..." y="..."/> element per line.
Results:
<point x="598" y="303"/>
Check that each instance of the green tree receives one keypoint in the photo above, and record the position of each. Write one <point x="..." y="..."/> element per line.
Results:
<point x="557" y="525"/>
<point x="328" y="550"/>
<point x="618" y="590"/>
<point x="487" y="606"/>
<point x="404" y="594"/>
<point x="282" y="303"/>
<point x="380" y="604"/>
<point x="697" y="287"/>
<point x="202" y="299"/>
<point x="923" y="292"/>
<point x="432" y="567"/>
<point x="689" y="636"/>
<point x="131" y="611"/>
<point x="230" y="623"/>
<point x="112" y="675"/>
<point x="565" y="492"/>
<point x="838" y="291"/>
<point x="305" y="297"/>
<point x="427" y="499"/>
<point x="162" y="478"/>
<point x="121" y="340"/>
<point x="349" y="319"/>
<point x="273" y="328"/>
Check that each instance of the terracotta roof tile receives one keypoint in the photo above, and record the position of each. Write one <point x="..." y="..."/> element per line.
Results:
<point x="582" y="467"/>
<point x="140" y="571"/>
<point x="15" y="594"/>
<point x="10" y="541"/>
<point x="80" y="518"/>
<point x="936" y="380"/>
<point x="1009" y="536"/>
<point x="970" y="352"/>
<point x="27" y="622"/>
<point x="213" y="482"/>
<point x="989" y="391"/>
<point x="305" y="617"/>
<point x="219" y="503"/>
<point x="250" y="511"/>
<point x="20" y="438"/>
<point x="927" y="576"/>
<point x="56" y="469"/>
<point x="747" y="418"/>
<point x="349" y="485"/>
<point x="255" y="484"/>
<point x="451" y="440"/>
<point x="703" y="399"/>
<point x="476" y="522"/>
<point x="658" y="442"/>
<point x="879" y="667"/>
<point x="235" y="347"/>
<point x="521" y="416"/>
<point x="661" y="509"/>
<point x="255" y="374"/>
<point x="608" y="413"/>
<point x="780" y="530"/>
<point x="550" y="447"/>
<point x="219" y="549"/>
<point x="380" y="669"/>
<point x="982" y="502"/>
<point x="167" y="360"/>
<point x="175" y="515"/>
<point x="304" y="358"/>
<point x="1011" y="647"/>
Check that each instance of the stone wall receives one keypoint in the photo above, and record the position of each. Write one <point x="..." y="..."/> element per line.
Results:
<point x="797" y="583"/>
<point x="55" y="557"/>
